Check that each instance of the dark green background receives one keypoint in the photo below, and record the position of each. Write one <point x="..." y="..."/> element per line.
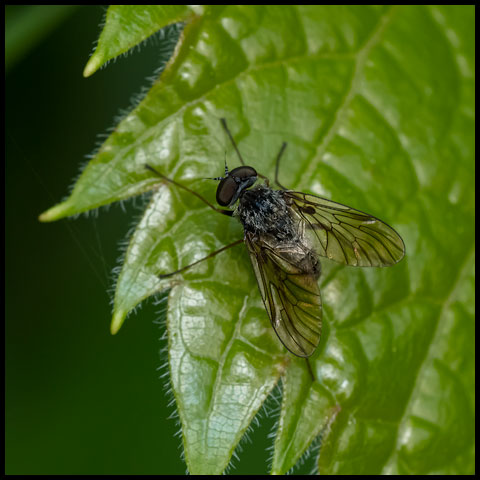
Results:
<point x="78" y="400"/>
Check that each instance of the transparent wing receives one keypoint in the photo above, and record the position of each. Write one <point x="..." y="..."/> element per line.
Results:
<point x="287" y="278"/>
<point x="344" y="234"/>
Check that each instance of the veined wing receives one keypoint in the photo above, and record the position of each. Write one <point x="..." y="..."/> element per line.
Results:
<point x="344" y="234"/>
<point x="287" y="278"/>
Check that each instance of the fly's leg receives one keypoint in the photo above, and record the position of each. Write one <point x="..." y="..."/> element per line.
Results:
<point x="282" y="149"/>
<point x="173" y="182"/>
<point x="216" y="252"/>
<point x="310" y="369"/>
<point x="277" y="166"/>
<point x="219" y="210"/>
<point x="227" y="130"/>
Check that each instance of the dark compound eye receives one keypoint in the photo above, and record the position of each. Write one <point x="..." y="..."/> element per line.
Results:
<point x="230" y="188"/>
<point x="226" y="191"/>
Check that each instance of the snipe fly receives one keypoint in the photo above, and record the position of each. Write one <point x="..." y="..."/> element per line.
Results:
<point x="285" y="233"/>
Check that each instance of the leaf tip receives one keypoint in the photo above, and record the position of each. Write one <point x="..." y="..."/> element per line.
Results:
<point x="55" y="213"/>
<point x="117" y="321"/>
<point x="92" y="66"/>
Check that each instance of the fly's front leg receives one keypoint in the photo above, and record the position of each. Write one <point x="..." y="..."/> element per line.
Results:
<point x="223" y="121"/>
<point x="179" y="185"/>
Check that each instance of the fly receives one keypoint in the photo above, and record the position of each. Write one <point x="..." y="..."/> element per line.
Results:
<point x="285" y="233"/>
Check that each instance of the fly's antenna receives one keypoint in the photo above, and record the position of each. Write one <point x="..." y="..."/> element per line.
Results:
<point x="223" y="121"/>
<point x="226" y="168"/>
<point x="226" y="171"/>
<point x="216" y="178"/>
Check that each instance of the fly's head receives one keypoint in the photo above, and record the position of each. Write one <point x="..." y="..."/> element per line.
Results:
<point x="234" y="184"/>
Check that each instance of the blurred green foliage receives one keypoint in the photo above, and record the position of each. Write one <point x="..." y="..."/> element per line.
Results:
<point x="27" y="25"/>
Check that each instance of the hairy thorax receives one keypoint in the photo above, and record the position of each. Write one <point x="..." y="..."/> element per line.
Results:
<point x="265" y="211"/>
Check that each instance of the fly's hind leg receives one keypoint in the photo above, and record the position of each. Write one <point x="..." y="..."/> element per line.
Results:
<point x="310" y="370"/>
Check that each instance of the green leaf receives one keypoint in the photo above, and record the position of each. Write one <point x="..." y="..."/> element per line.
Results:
<point x="377" y="107"/>
<point x="128" y="25"/>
